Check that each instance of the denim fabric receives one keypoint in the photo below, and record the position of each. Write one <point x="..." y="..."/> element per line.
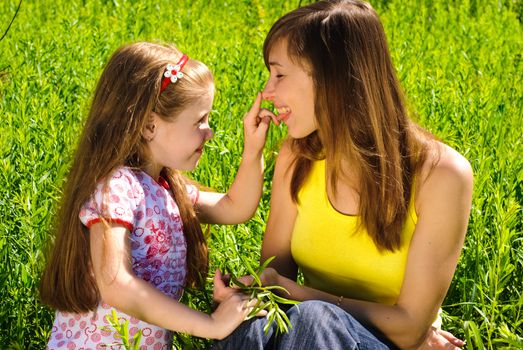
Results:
<point x="315" y="325"/>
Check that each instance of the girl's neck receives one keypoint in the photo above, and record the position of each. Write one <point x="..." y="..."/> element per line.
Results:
<point x="153" y="171"/>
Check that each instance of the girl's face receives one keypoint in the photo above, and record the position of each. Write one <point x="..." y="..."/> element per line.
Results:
<point x="290" y="88"/>
<point x="179" y="144"/>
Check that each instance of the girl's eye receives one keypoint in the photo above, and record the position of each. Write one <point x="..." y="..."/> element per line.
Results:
<point x="201" y="121"/>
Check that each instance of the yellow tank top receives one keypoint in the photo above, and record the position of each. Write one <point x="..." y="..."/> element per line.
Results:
<point x="335" y="253"/>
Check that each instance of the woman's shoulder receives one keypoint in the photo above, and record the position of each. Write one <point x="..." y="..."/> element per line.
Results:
<point x="444" y="169"/>
<point x="443" y="160"/>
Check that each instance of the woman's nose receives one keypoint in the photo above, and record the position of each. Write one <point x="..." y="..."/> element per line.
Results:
<point x="268" y="91"/>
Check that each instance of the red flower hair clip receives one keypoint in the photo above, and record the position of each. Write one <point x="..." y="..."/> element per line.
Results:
<point x="173" y="73"/>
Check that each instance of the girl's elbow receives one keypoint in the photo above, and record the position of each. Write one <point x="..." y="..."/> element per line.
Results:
<point x="249" y="214"/>
<point x="238" y="211"/>
<point x="244" y="214"/>
<point x="240" y="219"/>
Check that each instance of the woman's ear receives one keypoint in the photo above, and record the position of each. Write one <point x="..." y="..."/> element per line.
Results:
<point x="149" y="129"/>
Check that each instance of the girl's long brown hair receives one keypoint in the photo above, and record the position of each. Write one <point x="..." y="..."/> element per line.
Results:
<point x="359" y="109"/>
<point x="127" y="92"/>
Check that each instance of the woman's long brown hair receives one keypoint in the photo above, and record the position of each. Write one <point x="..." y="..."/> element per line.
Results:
<point x="359" y="109"/>
<point x="127" y="92"/>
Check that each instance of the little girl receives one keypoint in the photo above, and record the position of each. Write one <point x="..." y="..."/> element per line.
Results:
<point x="129" y="235"/>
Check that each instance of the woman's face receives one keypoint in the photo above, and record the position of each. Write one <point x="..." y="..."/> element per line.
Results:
<point x="290" y="88"/>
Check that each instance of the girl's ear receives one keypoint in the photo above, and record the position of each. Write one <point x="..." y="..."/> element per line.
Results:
<point x="149" y="129"/>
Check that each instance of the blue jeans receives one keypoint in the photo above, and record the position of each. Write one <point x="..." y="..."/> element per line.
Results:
<point x="315" y="325"/>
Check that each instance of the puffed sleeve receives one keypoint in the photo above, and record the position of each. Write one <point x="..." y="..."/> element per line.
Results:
<point x="115" y="200"/>
<point x="193" y="193"/>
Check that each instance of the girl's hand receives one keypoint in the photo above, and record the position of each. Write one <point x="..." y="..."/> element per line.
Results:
<point x="220" y="289"/>
<point x="230" y="313"/>
<point x="440" y="339"/>
<point x="255" y="125"/>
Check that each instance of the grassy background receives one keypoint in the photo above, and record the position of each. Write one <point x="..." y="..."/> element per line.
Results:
<point x="460" y="63"/>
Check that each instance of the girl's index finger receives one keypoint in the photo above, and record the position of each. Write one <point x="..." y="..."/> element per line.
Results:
<point x="255" y="108"/>
<point x="274" y="119"/>
<point x="267" y="115"/>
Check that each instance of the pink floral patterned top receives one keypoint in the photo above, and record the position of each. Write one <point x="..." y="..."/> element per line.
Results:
<point x="158" y="250"/>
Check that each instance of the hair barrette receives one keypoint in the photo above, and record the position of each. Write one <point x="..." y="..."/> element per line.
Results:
<point x="173" y="73"/>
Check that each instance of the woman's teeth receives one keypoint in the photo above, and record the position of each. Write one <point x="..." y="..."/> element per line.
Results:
<point x="284" y="110"/>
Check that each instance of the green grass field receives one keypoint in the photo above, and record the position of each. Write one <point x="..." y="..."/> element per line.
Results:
<point x="460" y="63"/>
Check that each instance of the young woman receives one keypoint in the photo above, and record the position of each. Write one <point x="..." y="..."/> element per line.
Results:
<point x="371" y="208"/>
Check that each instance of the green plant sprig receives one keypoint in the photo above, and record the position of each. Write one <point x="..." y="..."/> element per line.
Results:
<point x="122" y="329"/>
<point x="267" y="299"/>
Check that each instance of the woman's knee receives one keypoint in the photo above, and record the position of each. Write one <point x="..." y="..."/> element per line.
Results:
<point x="330" y="324"/>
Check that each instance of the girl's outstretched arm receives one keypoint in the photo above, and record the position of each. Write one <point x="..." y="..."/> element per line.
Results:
<point x="122" y="289"/>
<point x="242" y="198"/>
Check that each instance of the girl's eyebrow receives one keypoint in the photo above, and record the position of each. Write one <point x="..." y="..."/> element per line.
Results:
<point x="274" y="63"/>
